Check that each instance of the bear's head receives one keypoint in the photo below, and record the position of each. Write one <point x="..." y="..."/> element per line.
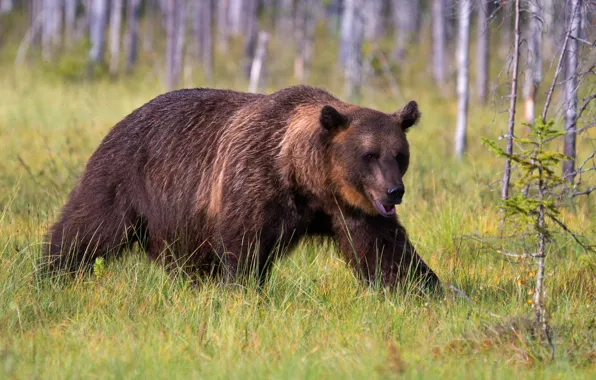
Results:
<point x="369" y="155"/>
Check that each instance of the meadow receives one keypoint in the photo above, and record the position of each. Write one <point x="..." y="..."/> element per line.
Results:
<point x="313" y="319"/>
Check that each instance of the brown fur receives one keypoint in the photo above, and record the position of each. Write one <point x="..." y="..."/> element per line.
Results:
<point x="218" y="181"/>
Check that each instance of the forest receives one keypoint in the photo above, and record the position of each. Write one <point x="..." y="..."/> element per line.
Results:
<point x="500" y="201"/>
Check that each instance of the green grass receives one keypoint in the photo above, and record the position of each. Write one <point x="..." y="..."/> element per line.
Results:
<point x="313" y="319"/>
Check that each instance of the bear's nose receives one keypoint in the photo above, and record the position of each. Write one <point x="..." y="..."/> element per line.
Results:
<point x="396" y="193"/>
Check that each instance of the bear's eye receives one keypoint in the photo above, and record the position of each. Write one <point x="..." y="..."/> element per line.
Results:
<point x="371" y="156"/>
<point x="401" y="158"/>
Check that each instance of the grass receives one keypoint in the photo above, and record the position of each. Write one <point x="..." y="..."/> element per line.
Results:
<point x="313" y="319"/>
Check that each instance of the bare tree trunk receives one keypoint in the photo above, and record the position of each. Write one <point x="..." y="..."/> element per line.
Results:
<point x="250" y="34"/>
<point x="549" y="26"/>
<point x="97" y="32"/>
<point x="222" y="25"/>
<point x="285" y="24"/>
<point x="352" y="34"/>
<point x="258" y="62"/>
<point x="438" y="35"/>
<point x="405" y="17"/>
<point x="373" y="23"/>
<point x="115" y="25"/>
<point x="463" y="46"/>
<point x="171" y="42"/>
<point x="482" y="55"/>
<point x="235" y="16"/>
<point x="202" y="25"/>
<point x="505" y="27"/>
<point x="571" y="91"/>
<point x="533" y="75"/>
<point x="6" y="6"/>
<point x="70" y="19"/>
<point x="305" y="33"/>
<point x="512" y="103"/>
<point x="132" y="33"/>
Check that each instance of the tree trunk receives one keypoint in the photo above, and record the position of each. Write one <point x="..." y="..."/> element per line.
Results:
<point x="512" y="104"/>
<point x="505" y="40"/>
<point x="132" y="33"/>
<point x="571" y="91"/>
<point x="463" y="46"/>
<point x="6" y="6"/>
<point x="171" y="43"/>
<point x="533" y="75"/>
<point x="438" y="36"/>
<point x="305" y="33"/>
<point x="548" y="24"/>
<point x="405" y="25"/>
<point x="236" y="16"/>
<point x="373" y="21"/>
<point x="97" y="32"/>
<point x="482" y="55"/>
<point x="251" y="25"/>
<point x="202" y="25"/>
<point x="115" y="25"/>
<point x="258" y="63"/>
<point x="352" y="34"/>
<point x="70" y="19"/>
<point x="285" y="24"/>
<point x="222" y="25"/>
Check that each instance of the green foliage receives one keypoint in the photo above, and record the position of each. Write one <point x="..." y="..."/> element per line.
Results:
<point x="536" y="171"/>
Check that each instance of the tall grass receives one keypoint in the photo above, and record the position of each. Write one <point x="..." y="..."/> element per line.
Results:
<point x="313" y="318"/>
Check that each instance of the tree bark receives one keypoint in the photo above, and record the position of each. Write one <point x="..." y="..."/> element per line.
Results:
<point x="352" y="34"/>
<point x="482" y="52"/>
<point x="533" y="75"/>
<point x="571" y="90"/>
<point x="373" y="21"/>
<point x="512" y="103"/>
<point x="97" y="31"/>
<point x="115" y="26"/>
<point x="251" y="24"/>
<point x="132" y="33"/>
<point x="438" y="36"/>
<point x="236" y="16"/>
<point x="305" y="33"/>
<point x="405" y="18"/>
<point x="463" y="46"/>
<point x="202" y="28"/>
<point x="70" y="19"/>
<point x="222" y="25"/>
<point x="258" y="62"/>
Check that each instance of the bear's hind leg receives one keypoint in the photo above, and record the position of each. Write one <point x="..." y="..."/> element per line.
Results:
<point x="87" y="230"/>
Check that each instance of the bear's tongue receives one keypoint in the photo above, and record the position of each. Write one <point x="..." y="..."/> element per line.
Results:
<point x="385" y="209"/>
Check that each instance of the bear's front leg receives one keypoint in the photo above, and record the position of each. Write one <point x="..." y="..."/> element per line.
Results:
<point x="379" y="250"/>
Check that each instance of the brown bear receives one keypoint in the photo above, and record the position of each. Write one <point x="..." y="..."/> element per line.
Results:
<point x="220" y="182"/>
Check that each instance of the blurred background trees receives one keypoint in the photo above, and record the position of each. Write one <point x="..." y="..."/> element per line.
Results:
<point x="374" y="40"/>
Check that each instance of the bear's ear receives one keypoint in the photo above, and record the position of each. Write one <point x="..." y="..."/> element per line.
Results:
<point x="407" y="116"/>
<point x="331" y="118"/>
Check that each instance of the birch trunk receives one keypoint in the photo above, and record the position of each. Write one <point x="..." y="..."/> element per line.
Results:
<point x="250" y="34"/>
<point x="512" y="104"/>
<point x="482" y="52"/>
<point x="405" y="17"/>
<point x="115" y="26"/>
<point x="373" y="23"/>
<point x="305" y="33"/>
<point x="353" y="40"/>
<point x="132" y="33"/>
<point x="533" y="75"/>
<point x="256" y="70"/>
<point x="222" y="25"/>
<point x="571" y="90"/>
<point x="463" y="45"/>
<point x="438" y="36"/>
<point x="97" y="31"/>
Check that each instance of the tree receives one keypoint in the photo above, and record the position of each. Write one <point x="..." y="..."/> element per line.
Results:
<point x="251" y="25"/>
<point x="438" y="36"/>
<point x="132" y="33"/>
<point x="352" y="34"/>
<point x="202" y="28"/>
<point x="533" y="75"/>
<point x="571" y="90"/>
<point x="482" y="55"/>
<point x="305" y="34"/>
<point x="463" y="46"/>
<point x="512" y="104"/>
<point x="70" y="18"/>
<point x="115" y="24"/>
<point x="222" y="25"/>
<point x="373" y="22"/>
<point x="175" y="33"/>
<point x="405" y="15"/>
<point x="97" y="31"/>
